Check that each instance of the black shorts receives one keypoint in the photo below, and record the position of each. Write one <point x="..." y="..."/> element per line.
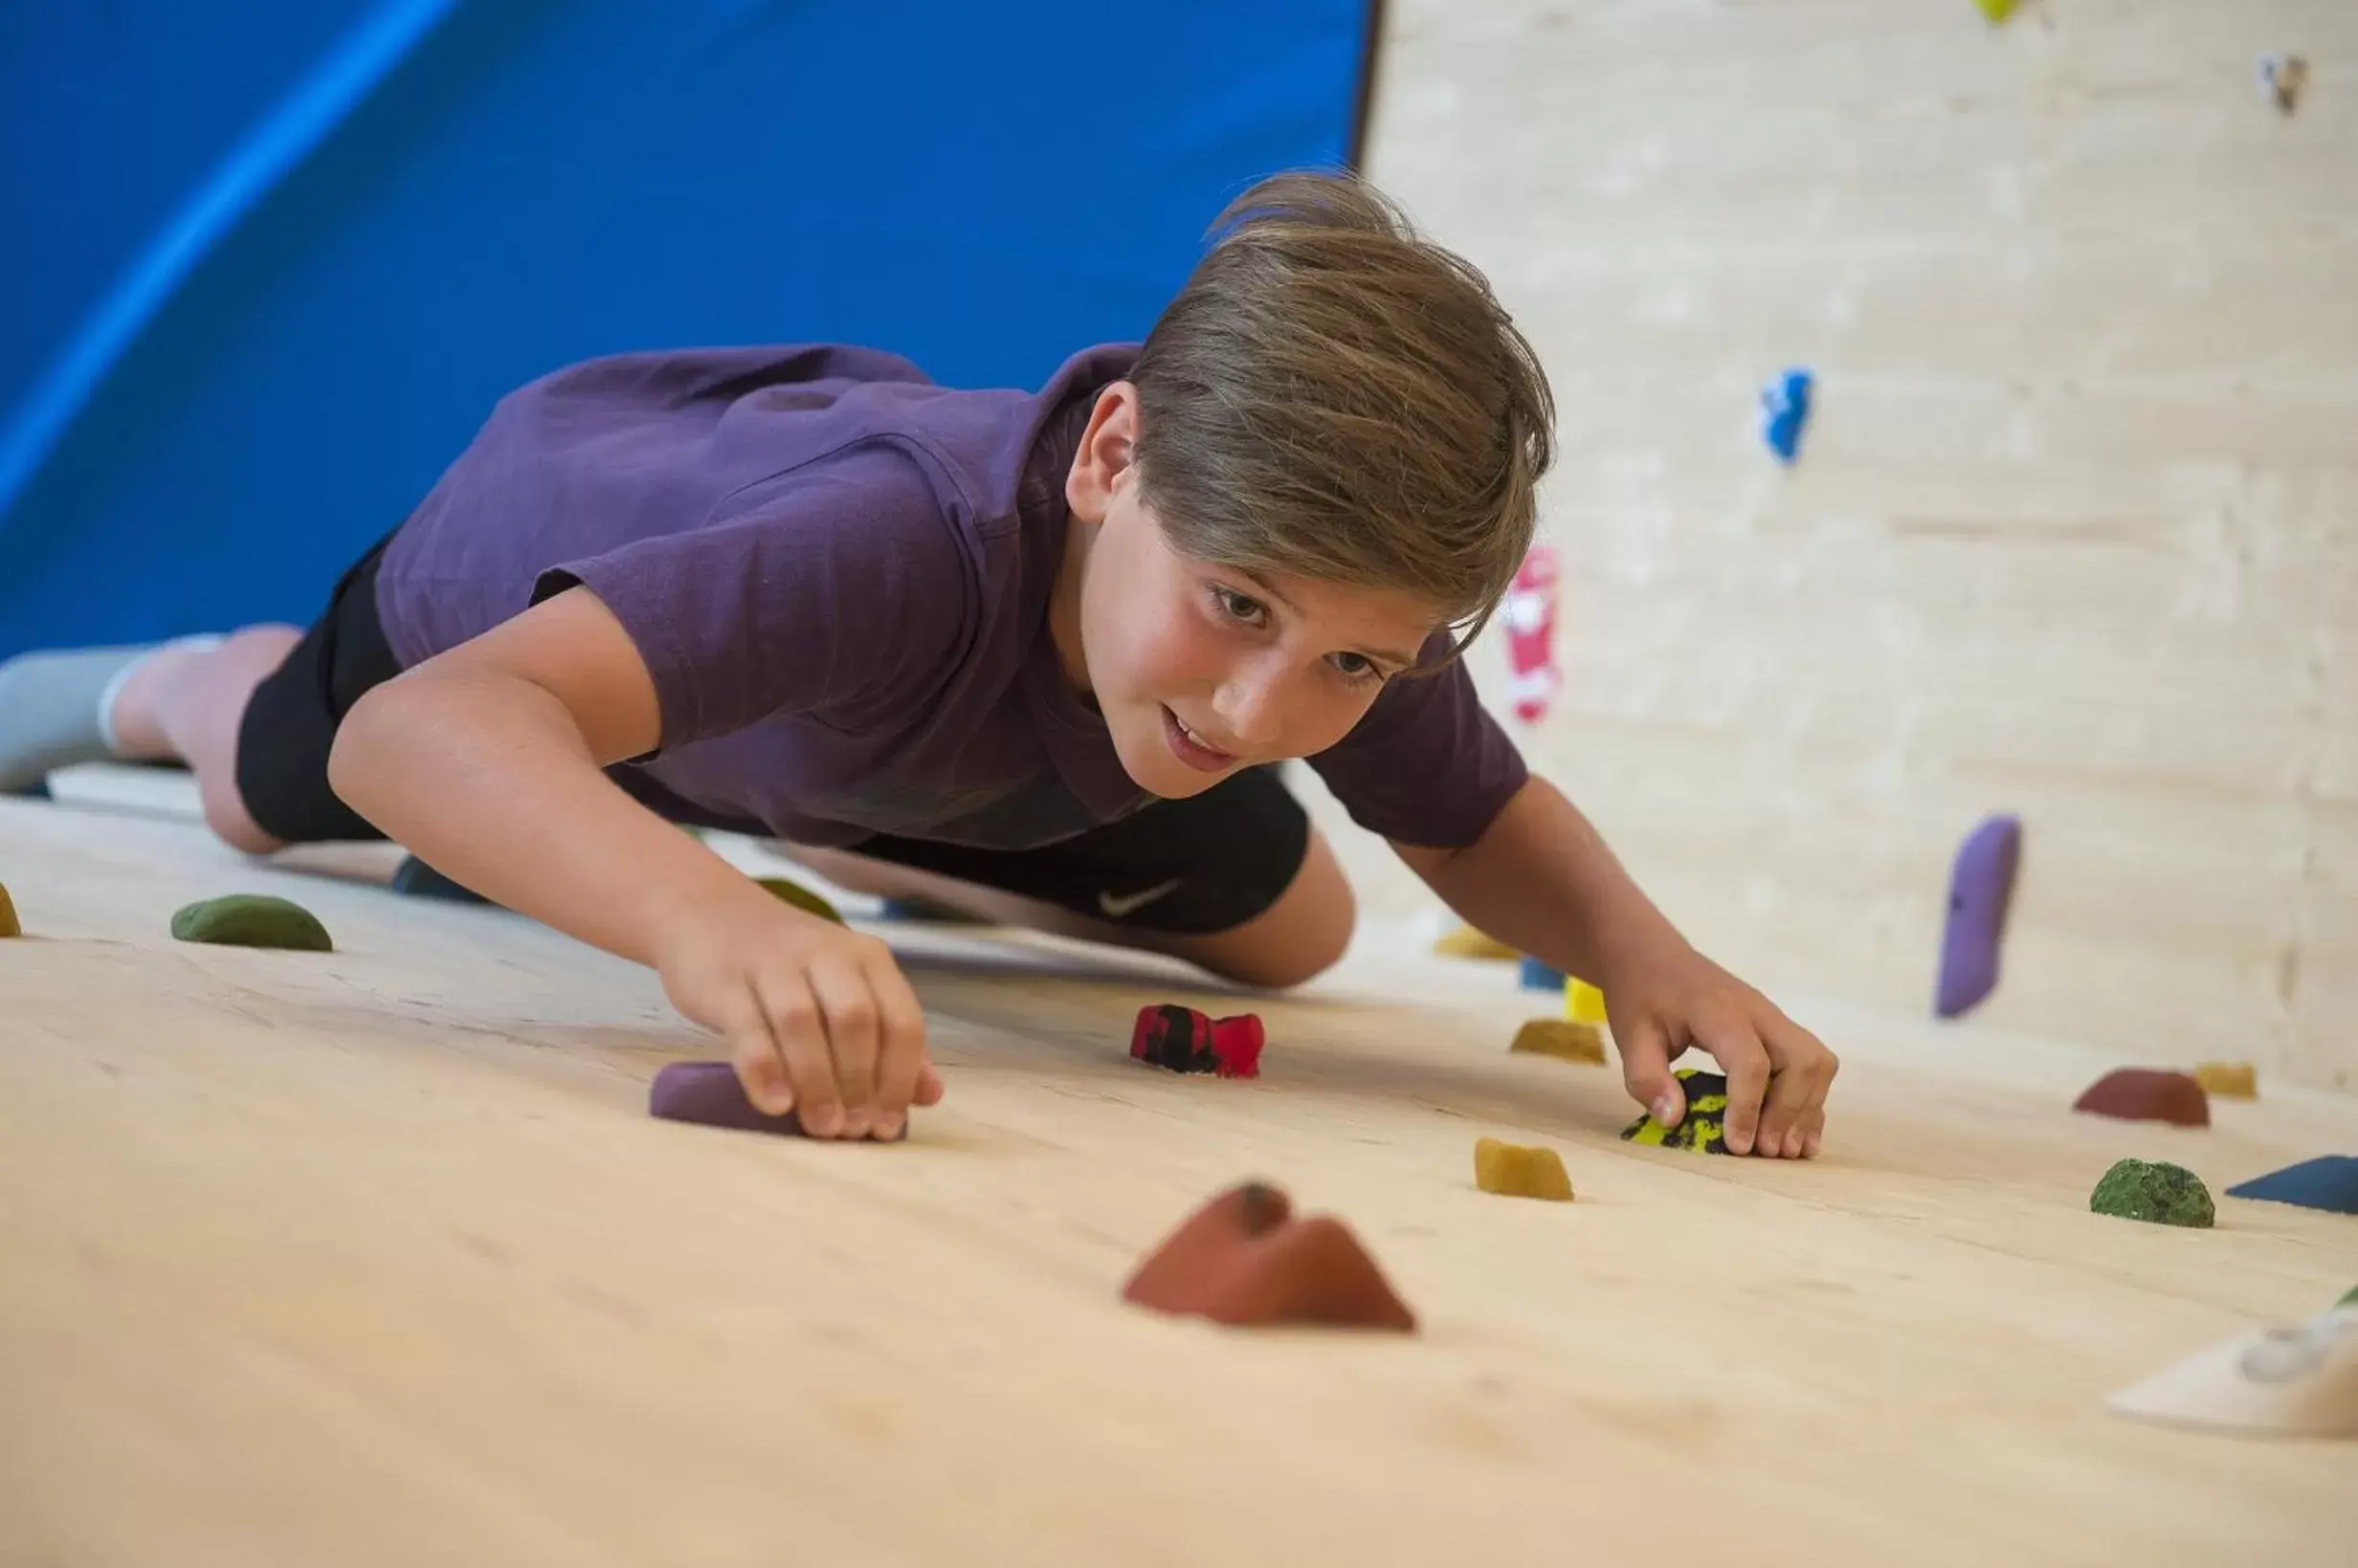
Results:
<point x="1190" y="866"/>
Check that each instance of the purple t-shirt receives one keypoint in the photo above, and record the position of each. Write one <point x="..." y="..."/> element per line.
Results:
<point x="838" y="573"/>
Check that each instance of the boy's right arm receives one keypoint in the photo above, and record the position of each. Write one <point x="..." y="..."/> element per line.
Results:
<point x="487" y="762"/>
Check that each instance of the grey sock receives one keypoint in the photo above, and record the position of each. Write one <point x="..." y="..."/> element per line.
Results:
<point x="49" y="710"/>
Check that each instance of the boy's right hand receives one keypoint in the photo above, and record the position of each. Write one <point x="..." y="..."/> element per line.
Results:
<point x="819" y="1020"/>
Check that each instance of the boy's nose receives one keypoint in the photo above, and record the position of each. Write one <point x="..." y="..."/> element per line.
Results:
<point x="1250" y="708"/>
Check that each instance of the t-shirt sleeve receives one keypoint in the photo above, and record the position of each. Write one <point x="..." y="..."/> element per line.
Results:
<point x="836" y="590"/>
<point x="1428" y="766"/>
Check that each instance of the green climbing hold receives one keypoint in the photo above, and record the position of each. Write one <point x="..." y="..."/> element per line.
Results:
<point x="787" y="891"/>
<point x="2155" y="1191"/>
<point x="9" y="924"/>
<point x="252" y="920"/>
<point x="2349" y="1298"/>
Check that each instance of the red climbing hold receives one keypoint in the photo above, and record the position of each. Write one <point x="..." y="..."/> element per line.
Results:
<point x="1184" y="1040"/>
<point x="2141" y="1093"/>
<point x="1244" y="1260"/>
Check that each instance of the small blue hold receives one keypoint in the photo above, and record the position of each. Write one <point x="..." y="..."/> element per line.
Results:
<point x="2329" y="1181"/>
<point x="1538" y="977"/>
<point x="1785" y="409"/>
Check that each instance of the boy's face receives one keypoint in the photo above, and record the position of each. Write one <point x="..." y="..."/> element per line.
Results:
<point x="1201" y="670"/>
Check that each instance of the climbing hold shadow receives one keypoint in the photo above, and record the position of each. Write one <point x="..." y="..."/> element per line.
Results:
<point x="1981" y="888"/>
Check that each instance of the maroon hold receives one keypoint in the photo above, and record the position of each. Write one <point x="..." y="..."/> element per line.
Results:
<point x="1184" y="1040"/>
<point x="2140" y="1093"/>
<point x="709" y="1095"/>
<point x="1244" y="1260"/>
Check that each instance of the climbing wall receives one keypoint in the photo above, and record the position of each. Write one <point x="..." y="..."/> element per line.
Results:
<point x="2072" y="531"/>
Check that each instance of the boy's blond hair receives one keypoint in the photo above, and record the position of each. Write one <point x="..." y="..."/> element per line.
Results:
<point x="1335" y="397"/>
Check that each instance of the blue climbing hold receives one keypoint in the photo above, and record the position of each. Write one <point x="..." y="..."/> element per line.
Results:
<point x="1538" y="977"/>
<point x="1785" y="409"/>
<point x="2329" y="1181"/>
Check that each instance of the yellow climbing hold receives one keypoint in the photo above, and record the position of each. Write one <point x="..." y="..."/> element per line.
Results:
<point x="1584" y="1003"/>
<point x="1560" y="1037"/>
<point x="2231" y="1080"/>
<point x="1999" y="11"/>
<point x="9" y="926"/>
<point x="1513" y="1171"/>
<point x="1466" y="942"/>
<point x="785" y="890"/>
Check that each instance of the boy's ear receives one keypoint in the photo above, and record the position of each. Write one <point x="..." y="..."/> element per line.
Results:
<point x="1108" y="453"/>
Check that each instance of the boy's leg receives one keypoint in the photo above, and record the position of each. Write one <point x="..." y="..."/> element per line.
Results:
<point x="1236" y="881"/>
<point x="253" y="715"/>
<point x="189" y="703"/>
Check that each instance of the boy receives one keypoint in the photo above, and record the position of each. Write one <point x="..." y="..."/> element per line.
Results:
<point x="1032" y="656"/>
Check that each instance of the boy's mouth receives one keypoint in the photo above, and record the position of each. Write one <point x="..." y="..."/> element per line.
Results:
<point x="1191" y="748"/>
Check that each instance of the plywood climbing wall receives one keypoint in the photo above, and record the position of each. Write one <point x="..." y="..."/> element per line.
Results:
<point x="2073" y="531"/>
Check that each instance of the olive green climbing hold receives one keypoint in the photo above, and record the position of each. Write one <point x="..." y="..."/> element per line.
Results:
<point x="787" y="891"/>
<point x="2350" y="1297"/>
<point x="2154" y="1191"/>
<point x="251" y="920"/>
<point x="9" y="926"/>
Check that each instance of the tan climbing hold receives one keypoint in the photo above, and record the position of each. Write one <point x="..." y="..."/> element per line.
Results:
<point x="1560" y="1037"/>
<point x="1513" y="1171"/>
<point x="1466" y="942"/>
<point x="2233" y="1080"/>
<point x="9" y="926"/>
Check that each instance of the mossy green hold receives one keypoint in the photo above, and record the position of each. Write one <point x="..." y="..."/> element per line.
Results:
<point x="252" y="920"/>
<point x="787" y="891"/>
<point x="2155" y="1191"/>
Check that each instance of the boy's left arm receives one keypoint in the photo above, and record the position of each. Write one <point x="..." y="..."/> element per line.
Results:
<point x="1541" y="879"/>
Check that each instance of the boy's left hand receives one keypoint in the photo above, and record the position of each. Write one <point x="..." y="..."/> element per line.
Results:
<point x="1778" y="1072"/>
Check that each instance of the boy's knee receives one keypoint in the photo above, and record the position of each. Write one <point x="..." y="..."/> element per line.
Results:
<point x="1301" y="937"/>
<point x="225" y="814"/>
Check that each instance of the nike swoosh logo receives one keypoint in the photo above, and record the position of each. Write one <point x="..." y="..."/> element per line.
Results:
<point x="1116" y="907"/>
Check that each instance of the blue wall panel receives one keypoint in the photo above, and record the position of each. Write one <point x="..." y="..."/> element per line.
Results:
<point x="517" y="184"/>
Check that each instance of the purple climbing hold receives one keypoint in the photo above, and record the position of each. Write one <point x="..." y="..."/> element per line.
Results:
<point x="709" y="1095"/>
<point x="1980" y="887"/>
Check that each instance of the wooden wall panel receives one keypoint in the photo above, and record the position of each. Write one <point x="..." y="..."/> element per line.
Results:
<point x="2074" y="532"/>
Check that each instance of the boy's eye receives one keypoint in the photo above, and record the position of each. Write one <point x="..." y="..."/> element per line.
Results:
<point x="1237" y="605"/>
<point x="1355" y="666"/>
